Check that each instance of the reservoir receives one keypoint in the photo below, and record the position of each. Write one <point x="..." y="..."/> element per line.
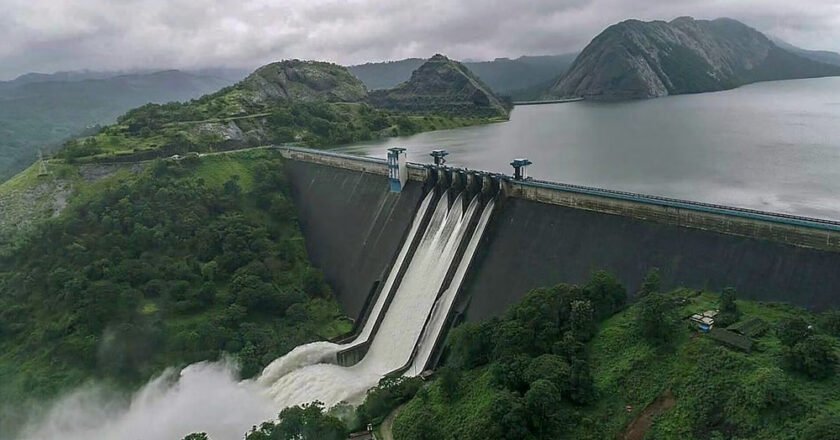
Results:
<point x="771" y="146"/>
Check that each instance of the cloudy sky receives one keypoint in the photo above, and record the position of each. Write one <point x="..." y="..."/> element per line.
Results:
<point x="51" y="35"/>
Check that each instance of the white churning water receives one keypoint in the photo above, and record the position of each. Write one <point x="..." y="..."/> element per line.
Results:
<point x="393" y="344"/>
<point x="206" y="397"/>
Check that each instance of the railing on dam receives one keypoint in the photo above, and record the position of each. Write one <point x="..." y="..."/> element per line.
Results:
<point x="708" y="208"/>
<point x="752" y="214"/>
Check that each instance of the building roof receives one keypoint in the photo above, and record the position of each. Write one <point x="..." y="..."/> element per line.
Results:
<point x="751" y="327"/>
<point x="731" y="339"/>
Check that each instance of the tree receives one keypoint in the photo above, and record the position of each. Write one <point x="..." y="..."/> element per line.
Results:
<point x="651" y="283"/>
<point x="791" y="331"/>
<point x="550" y="367"/>
<point x="197" y="436"/>
<point x="509" y="373"/>
<point x="582" y="320"/>
<point x="813" y="356"/>
<point x="510" y="417"/>
<point x="606" y="293"/>
<point x="385" y="397"/>
<point x="307" y="422"/>
<point x="543" y="402"/>
<point x="729" y="313"/>
<point x="470" y="345"/>
<point x="656" y="319"/>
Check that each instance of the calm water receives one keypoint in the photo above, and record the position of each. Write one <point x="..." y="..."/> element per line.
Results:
<point x="770" y="146"/>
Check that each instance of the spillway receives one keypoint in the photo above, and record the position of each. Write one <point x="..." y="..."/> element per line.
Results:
<point x="437" y="319"/>
<point x="403" y="325"/>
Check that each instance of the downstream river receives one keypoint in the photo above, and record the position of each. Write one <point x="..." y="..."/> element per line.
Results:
<point x="771" y="146"/>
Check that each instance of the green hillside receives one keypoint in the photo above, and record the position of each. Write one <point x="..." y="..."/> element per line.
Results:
<point x="549" y="370"/>
<point x="306" y="102"/>
<point x="173" y="263"/>
<point x="38" y="112"/>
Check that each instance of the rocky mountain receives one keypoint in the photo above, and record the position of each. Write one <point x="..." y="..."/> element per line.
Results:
<point x="441" y="86"/>
<point x="295" y="80"/>
<point x="635" y="59"/>
<point x="505" y="76"/>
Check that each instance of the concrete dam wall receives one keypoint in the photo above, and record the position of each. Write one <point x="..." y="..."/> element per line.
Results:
<point x="544" y="234"/>
<point x="534" y="244"/>
<point x="352" y="224"/>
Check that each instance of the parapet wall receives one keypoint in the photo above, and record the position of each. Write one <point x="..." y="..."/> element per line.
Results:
<point x="780" y="228"/>
<point x="363" y="164"/>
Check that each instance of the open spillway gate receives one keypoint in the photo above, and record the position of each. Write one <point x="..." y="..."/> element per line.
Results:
<point x="426" y="276"/>
<point x="574" y="230"/>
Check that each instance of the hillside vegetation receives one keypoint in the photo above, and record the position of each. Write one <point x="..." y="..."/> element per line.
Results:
<point x="563" y="364"/>
<point x="39" y="112"/>
<point x="311" y="103"/>
<point x="178" y="262"/>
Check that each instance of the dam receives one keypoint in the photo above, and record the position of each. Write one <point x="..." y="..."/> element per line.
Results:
<point x="408" y="260"/>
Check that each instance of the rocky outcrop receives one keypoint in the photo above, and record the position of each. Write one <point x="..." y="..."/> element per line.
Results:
<point x="441" y="86"/>
<point x="635" y="59"/>
<point x="295" y="80"/>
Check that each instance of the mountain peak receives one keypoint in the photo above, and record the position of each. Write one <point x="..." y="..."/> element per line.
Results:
<point x="636" y="59"/>
<point x="441" y="85"/>
<point x="304" y="81"/>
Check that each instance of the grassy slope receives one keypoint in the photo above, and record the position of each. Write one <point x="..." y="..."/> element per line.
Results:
<point x="700" y="372"/>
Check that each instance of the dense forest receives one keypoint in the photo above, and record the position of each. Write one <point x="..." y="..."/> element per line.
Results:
<point x="189" y="260"/>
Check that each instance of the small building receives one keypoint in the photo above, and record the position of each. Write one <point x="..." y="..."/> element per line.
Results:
<point x="752" y="327"/>
<point x="397" y="169"/>
<point x="705" y="321"/>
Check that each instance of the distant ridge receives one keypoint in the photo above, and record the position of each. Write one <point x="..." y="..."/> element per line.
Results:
<point x="823" y="56"/>
<point x="38" y="111"/>
<point x="635" y="59"/>
<point x="521" y="78"/>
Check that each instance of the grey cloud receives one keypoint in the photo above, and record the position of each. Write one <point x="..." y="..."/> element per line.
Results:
<point x="126" y="34"/>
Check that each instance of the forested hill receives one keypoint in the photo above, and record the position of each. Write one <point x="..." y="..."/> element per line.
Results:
<point x="307" y="102"/>
<point x="156" y="266"/>
<point x="635" y="59"/>
<point x="445" y="87"/>
<point x="520" y="78"/>
<point x="574" y="362"/>
<point x="40" y="111"/>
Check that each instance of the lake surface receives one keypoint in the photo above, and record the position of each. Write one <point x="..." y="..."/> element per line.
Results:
<point x="771" y="146"/>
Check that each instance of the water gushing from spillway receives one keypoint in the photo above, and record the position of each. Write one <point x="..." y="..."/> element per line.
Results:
<point x="393" y="344"/>
<point x="206" y="397"/>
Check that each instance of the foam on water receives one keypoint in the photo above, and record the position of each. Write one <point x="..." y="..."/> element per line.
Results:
<point x="440" y="311"/>
<point x="206" y="397"/>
